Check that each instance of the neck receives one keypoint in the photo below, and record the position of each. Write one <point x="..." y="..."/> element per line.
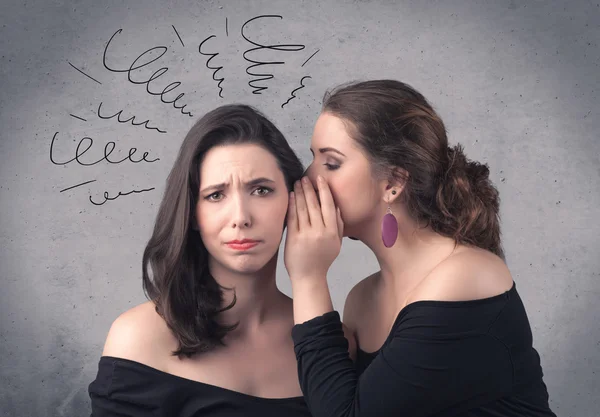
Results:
<point x="257" y="297"/>
<point x="416" y="251"/>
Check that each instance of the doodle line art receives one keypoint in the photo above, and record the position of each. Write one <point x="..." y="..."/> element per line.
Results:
<point x="216" y="69"/>
<point x="257" y="89"/>
<point x="157" y="74"/>
<point x="293" y="95"/>
<point x="309" y="58"/>
<point x="108" y="198"/>
<point x="131" y="119"/>
<point x="77" y="117"/>
<point x="259" y="78"/>
<point x="108" y="149"/>
<point x="90" y="77"/>
<point x="177" y="33"/>
<point x="78" y="185"/>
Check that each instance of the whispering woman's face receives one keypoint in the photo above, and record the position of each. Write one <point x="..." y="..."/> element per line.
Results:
<point x="241" y="207"/>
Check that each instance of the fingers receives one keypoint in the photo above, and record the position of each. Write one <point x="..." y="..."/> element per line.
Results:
<point x="327" y="204"/>
<point x="340" y="224"/>
<point x="312" y="204"/>
<point x="301" y="209"/>
<point x="292" y="217"/>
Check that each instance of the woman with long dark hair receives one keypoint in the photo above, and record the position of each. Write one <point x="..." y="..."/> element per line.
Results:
<point x="214" y="337"/>
<point x="440" y="328"/>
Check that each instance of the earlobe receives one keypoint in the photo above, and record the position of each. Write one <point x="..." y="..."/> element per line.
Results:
<point x="396" y="184"/>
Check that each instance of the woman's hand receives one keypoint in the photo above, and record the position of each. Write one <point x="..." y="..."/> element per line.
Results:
<point x="314" y="232"/>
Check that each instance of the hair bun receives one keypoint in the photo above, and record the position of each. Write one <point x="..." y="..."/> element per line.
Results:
<point x="469" y="202"/>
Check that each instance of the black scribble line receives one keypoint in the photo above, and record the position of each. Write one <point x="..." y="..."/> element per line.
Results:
<point x="310" y="57"/>
<point x="91" y="78"/>
<point x="107" y="198"/>
<point x="264" y="77"/>
<point x="216" y="69"/>
<point x="131" y="119"/>
<point x="293" y="91"/>
<point x="226" y="27"/>
<point x="157" y="74"/>
<point x="77" y="117"/>
<point x="177" y="33"/>
<point x="78" y="185"/>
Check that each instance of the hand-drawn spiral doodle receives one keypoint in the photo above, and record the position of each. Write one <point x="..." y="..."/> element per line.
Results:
<point x="216" y="69"/>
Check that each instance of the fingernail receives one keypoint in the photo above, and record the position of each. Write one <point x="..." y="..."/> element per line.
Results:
<point x="319" y="178"/>
<point x="305" y="180"/>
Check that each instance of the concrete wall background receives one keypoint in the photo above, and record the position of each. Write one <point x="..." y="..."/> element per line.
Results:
<point x="515" y="81"/>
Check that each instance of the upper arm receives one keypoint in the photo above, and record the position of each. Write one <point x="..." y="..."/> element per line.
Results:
<point x="136" y="335"/>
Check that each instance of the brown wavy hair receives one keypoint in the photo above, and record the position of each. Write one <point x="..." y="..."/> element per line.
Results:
<point x="397" y="128"/>
<point x="175" y="269"/>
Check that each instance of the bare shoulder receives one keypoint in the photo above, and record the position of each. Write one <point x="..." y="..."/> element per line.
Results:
<point x="355" y="301"/>
<point x="356" y="298"/>
<point x="141" y="335"/>
<point x="468" y="274"/>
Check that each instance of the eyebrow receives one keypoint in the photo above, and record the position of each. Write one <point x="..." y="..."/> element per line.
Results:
<point x="325" y="150"/>
<point x="251" y="183"/>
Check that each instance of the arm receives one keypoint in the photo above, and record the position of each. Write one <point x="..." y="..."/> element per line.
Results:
<point x="413" y="376"/>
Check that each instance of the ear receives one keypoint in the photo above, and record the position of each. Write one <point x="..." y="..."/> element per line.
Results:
<point x="395" y="184"/>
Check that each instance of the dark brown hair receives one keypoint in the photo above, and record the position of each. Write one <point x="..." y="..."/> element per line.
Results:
<point x="398" y="128"/>
<point x="175" y="262"/>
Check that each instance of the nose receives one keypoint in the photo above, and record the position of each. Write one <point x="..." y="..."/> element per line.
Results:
<point x="241" y="216"/>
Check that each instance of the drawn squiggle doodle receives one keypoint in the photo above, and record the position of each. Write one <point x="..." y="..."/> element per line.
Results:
<point x="158" y="73"/>
<point x="107" y="197"/>
<point x="108" y="149"/>
<point x="264" y="76"/>
<point x="216" y="69"/>
<point x="293" y="95"/>
<point x="131" y="119"/>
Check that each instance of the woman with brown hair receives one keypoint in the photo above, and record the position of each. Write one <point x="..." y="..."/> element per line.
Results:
<point x="214" y="339"/>
<point x="440" y="329"/>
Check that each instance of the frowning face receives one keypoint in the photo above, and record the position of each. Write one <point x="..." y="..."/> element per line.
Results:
<point x="241" y="207"/>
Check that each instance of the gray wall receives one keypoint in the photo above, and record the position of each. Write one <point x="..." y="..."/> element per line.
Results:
<point x="516" y="82"/>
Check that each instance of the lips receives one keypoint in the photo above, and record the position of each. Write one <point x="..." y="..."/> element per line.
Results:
<point x="244" y="244"/>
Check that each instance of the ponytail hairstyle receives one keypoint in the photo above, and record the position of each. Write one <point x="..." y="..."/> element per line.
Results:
<point x="397" y="128"/>
<point x="175" y="272"/>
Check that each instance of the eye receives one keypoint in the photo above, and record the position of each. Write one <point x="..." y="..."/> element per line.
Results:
<point x="331" y="167"/>
<point x="262" y="191"/>
<point x="216" y="196"/>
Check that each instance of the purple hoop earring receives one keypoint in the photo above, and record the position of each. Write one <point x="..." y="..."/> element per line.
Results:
<point x="389" y="228"/>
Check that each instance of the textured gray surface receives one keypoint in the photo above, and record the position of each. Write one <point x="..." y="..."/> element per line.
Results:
<point x="516" y="82"/>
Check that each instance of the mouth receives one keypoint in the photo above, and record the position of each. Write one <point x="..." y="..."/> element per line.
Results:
<point x="244" y="244"/>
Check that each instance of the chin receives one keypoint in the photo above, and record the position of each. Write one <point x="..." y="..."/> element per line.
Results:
<point x="249" y="264"/>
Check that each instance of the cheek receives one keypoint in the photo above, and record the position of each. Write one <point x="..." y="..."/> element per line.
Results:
<point x="272" y="214"/>
<point x="353" y="197"/>
<point x="207" y="223"/>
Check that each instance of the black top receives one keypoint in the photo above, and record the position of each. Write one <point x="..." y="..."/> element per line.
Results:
<point x="363" y="360"/>
<point x="441" y="358"/>
<point x="126" y="388"/>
